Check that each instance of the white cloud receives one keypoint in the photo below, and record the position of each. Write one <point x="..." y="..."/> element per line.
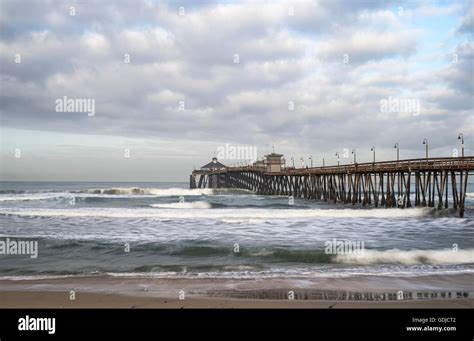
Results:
<point x="367" y="45"/>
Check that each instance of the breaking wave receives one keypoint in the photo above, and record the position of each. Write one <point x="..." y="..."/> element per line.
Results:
<point x="6" y="196"/>
<point x="160" y="192"/>
<point x="182" y="205"/>
<point x="32" y="197"/>
<point x="240" y="214"/>
<point x="412" y="257"/>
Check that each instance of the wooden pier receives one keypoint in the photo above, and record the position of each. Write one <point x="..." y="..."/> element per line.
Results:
<point x="427" y="182"/>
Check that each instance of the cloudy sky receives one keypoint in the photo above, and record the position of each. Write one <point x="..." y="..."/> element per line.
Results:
<point x="173" y="81"/>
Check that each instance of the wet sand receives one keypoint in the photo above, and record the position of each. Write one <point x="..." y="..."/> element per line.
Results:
<point x="42" y="299"/>
<point x="434" y="291"/>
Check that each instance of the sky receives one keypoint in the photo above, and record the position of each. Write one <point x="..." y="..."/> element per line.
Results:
<point x="173" y="82"/>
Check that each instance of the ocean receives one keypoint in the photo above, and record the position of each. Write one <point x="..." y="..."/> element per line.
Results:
<point x="165" y="230"/>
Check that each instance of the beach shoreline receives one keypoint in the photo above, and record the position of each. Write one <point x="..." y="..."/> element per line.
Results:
<point x="433" y="291"/>
<point x="47" y="300"/>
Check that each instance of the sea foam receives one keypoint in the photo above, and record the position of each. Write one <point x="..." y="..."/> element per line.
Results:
<point x="410" y="257"/>
<point x="160" y="192"/>
<point x="184" y="205"/>
<point x="204" y="213"/>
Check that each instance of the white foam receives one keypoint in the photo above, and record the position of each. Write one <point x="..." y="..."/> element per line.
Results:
<point x="34" y="277"/>
<point x="244" y="221"/>
<point x="247" y="272"/>
<point x="130" y="192"/>
<point x="28" y="197"/>
<point x="247" y="213"/>
<point x="294" y="273"/>
<point x="413" y="257"/>
<point x="184" y="205"/>
<point x="159" y="192"/>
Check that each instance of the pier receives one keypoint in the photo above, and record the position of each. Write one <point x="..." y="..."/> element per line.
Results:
<point x="428" y="182"/>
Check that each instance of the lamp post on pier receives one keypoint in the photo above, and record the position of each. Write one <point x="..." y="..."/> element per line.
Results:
<point x="461" y="137"/>
<point x="425" y="142"/>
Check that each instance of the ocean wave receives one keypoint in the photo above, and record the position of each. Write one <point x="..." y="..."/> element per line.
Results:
<point x="160" y="192"/>
<point x="412" y="257"/>
<point x="319" y="256"/>
<point x="250" y="272"/>
<point x="12" y="191"/>
<point x="66" y="196"/>
<point x="244" y="221"/>
<point x="295" y="273"/>
<point x="268" y="214"/>
<point x="205" y="204"/>
<point x="32" y="197"/>
<point x="30" y="191"/>
<point x="35" y="277"/>
<point x="184" y="205"/>
<point x="106" y="193"/>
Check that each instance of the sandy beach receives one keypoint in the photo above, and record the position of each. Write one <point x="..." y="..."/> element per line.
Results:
<point x="43" y="299"/>
<point x="363" y="292"/>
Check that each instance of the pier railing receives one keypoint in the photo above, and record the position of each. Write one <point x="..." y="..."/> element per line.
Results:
<point x="440" y="163"/>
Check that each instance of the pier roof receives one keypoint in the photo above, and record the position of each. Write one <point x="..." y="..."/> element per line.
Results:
<point x="214" y="164"/>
